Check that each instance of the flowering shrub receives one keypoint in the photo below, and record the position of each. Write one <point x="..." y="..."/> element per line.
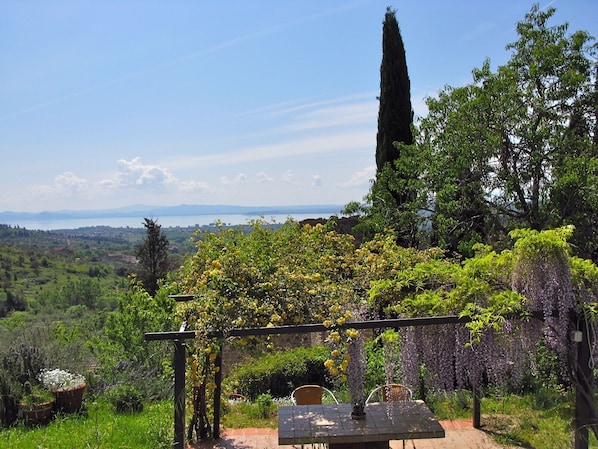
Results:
<point x="245" y="278"/>
<point x="58" y="379"/>
<point x="257" y="277"/>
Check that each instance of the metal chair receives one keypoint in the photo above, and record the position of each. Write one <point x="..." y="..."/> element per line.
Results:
<point x="392" y="393"/>
<point x="310" y="394"/>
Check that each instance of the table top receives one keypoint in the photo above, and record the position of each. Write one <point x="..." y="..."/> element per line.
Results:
<point x="332" y="423"/>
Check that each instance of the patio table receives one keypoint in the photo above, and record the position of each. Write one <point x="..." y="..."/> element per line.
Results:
<point x="332" y="424"/>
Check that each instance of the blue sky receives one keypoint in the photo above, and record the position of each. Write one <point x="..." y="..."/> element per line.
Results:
<point x="110" y="103"/>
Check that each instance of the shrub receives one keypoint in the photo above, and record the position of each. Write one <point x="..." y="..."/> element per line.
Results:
<point x="9" y="400"/>
<point x="21" y="364"/>
<point x="280" y="372"/>
<point x="264" y="405"/>
<point x="126" y="399"/>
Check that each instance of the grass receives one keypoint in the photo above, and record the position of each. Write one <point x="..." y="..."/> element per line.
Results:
<point x="248" y="414"/>
<point x="541" y="421"/>
<point x="538" y="421"/>
<point x="99" y="427"/>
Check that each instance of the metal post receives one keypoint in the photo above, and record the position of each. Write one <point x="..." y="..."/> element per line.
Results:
<point x="217" y="392"/>
<point x="477" y="408"/>
<point x="179" y="394"/>
<point x="583" y="389"/>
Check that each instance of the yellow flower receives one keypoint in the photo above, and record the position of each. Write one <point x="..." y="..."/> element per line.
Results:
<point x="335" y="353"/>
<point x="329" y="363"/>
<point x="327" y="323"/>
<point x="352" y="333"/>
<point x="340" y="321"/>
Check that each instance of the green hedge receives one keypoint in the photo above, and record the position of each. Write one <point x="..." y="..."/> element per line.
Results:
<point x="280" y="372"/>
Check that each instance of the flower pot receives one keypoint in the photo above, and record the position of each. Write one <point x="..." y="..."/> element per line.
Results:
<point x="358" y="412"/>
<point x="36" y="414"/>
<point x="69" y="401"/>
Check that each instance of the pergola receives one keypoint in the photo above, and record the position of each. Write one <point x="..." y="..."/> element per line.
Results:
<point x="583" y="374"/>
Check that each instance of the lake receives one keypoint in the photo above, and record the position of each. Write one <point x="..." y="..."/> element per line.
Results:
<point x="165" y="221"/>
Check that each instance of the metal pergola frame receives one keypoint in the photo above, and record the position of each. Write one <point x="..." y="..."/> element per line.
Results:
<point x="583" y="414"/>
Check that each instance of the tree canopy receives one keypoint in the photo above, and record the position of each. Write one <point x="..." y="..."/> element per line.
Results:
<point x="516" y="147"/>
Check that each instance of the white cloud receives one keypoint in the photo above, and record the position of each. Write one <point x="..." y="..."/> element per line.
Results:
<point x="239" y="179"/>
<point x="135" y="172"/>
<point x="289" y="177"/>
<point x="316" y="181"/>
<point x="263" y="177"/>
<point x="195" y="186"/>
<point x="361" y="177"/>
<point x="68" y="181"/>
<point x="65" y="184"/>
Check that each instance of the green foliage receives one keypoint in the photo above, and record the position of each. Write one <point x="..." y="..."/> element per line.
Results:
<point x="265" y="405"/>
<point x="125" y="399"/>
<point x="395" y="114"/>
<point x="35" y="395"/>
<point x="10" y="392"/>
<point x="515" y="148"/>
<point x="125" y="355"/>
<point x="19" y="367"/>
<point x="152" y="254"/>
<point x="279" y="373"/>
<point x="246" y="414"/>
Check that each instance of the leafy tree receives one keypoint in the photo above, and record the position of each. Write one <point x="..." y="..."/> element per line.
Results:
<point x="152" y="254"/>
<point x="124" y="354"/>
<point x="573" y="195"/>
<point x="459" y="169"/>
<point x="82" y="291"/>
<point x="507" y="149"/>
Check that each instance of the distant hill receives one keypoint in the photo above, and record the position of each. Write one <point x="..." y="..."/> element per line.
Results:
<point x="165" y="211"/>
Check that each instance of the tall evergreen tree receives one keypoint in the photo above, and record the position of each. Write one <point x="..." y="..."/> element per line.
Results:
<point x="394" y="200"/>
<point x="395" y="115"/>
<point x="152" y="254"/>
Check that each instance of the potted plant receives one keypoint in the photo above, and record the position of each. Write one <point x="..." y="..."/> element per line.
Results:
<point x="68" y="389"/>
<point x="36" y="405"/>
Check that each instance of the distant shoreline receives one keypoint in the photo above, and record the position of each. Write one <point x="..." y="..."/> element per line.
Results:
<point x="62" y="221"/>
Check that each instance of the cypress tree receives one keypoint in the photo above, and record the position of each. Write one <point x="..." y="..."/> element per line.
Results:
<point x="395" y="114"/>
<point x="152" y="254"/>
<point x="394" y="196"/>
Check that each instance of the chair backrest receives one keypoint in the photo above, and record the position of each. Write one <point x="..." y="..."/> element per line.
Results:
<point x="391" y="392"/>
<point x="310" y="394"/>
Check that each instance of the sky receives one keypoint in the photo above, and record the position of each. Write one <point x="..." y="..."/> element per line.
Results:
<point x="106" y="104"/>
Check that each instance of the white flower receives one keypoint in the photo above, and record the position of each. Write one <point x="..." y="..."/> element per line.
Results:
<point x="58" y="379"/>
